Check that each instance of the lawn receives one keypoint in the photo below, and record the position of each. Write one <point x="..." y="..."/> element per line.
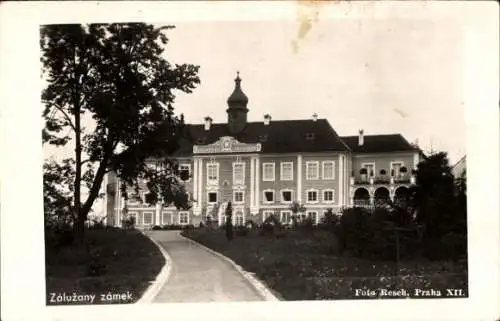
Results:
<point x="305" y="265"/>
<point x="126" y="260"/>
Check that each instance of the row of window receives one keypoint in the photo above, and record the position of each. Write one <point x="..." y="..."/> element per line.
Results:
<point x="313" y="170"/>
<point x="286" y="196"/>
<point x="285" y="216"/>
<point x="146" y="218"/>
<point x="395" y="169"/>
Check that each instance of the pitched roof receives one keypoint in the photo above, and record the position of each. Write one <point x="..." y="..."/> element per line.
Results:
<point x="284" y="136"/>
<point x="379" y="144"/>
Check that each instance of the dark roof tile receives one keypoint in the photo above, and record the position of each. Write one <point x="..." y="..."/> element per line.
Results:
<point x="379" y="144"/>
<point x="285" y="136"/>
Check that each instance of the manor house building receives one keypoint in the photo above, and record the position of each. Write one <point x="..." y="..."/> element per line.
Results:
<point x="263" y="167"/>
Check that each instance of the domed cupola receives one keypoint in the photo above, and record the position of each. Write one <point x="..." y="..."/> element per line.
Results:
<point x="238" y="99"/>
<point x="237" y="110"/>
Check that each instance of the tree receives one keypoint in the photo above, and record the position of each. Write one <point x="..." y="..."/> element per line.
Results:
<point x="112" y="76"/>
<point x="229" y="222"/>
<point x="436" y="200"/>
<point x="296" y="208"/>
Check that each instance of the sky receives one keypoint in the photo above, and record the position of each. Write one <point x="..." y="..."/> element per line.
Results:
<point x="384" y="76"/>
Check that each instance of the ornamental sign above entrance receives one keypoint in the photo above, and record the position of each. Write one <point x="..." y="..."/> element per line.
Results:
<point x="227" y="144"/>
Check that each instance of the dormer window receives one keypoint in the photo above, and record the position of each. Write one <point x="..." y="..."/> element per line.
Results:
<point x="262" y="138"/>
<point x="310" y="136"/>
<point x="201" y="140"/>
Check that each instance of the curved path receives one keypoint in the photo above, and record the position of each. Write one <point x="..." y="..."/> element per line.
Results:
<point x="198" y="275"/>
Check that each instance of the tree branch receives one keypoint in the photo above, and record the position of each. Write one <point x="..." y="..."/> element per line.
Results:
<point x="67" y="117"/>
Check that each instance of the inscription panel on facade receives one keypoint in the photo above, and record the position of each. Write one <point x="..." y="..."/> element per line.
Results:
<point x="227" y="144"/>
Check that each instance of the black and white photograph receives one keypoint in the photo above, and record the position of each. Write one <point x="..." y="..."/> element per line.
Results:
<point x="320" y="156"/>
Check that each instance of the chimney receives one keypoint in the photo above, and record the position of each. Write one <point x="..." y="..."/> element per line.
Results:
<point x="315" y="117"/>
<point x="361" y="138"/>
<point x="267" y="119"/>
<point x="208" y="123"/>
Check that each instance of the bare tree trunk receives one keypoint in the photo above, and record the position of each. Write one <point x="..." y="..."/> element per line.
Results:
<point x="79" y="223"/>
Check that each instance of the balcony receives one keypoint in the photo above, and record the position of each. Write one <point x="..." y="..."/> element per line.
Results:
<point x="383" y="180"/>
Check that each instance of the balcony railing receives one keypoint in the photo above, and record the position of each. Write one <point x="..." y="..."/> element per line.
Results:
<point x="385" y="179"/>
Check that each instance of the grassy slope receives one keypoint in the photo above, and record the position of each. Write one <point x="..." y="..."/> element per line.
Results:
<point x="305" y="266"/>
<point x="131" y="262"/>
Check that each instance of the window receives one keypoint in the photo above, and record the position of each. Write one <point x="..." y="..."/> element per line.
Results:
<point x="238" y="173"/>
<point x="239" y="219"/>
<point x="328" y="196"/>
<point x="183" y="218"/>
<point x="396" y="169"/>
<point x="328" y="170"/>
<point x="212" y="197"/>
<point x="212" y="174"/>
<point x="312" y="170"/>
<point x="147" y="218"/>
<point x="310" y="136"/>
<point x="370" y="169"/>
<point x="313" y="215"/>
<point x="286" y="217"/>
<point x="268" y="196"/>
<point x="166" y="218"/>
<point x="312" y="196"/>
<point x="286" y="196"/>
<point x="262" y="138"/>
<point x="268" y="172"/>
<point x="266" y="214"/>
<point x="185" y="172"/>
<point x="238" y="196"/>
<point x="286" y="171"/>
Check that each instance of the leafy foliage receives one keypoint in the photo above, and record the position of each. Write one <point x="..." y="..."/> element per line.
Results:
<point x="114" y="77"/>
<point x="441" y="204"/>
<point x="229" y="222"/>
<point x="296" y="208"/>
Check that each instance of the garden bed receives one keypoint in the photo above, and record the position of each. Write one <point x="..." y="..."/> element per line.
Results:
<point x="117" y="267"/>
<point x="305" y="265"/>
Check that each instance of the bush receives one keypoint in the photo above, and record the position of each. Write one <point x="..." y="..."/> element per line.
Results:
<point x="128" y="223"/>
<point x="330" y="221"/>
<point x="354" y="230"/>
<point x="250" y="225"/>
<point x="451" y="246"/>
<point x="306" y="224"/>
<point x="241" y="231"/>
<point x="58" y="236"/>
<point x="270" y="224"/>
<point x="156" y="228"/>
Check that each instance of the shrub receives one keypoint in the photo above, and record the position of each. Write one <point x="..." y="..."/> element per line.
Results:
<point x="354" y="230"/>
<point x="451" y="246"/>
<point x="250" y="225"/>
<point x="229" y="222"/>
<point x="270" y="224"/>
<point x="241" y="231"/>
<point x="156" y="228"/>
<point x="330" y="221"/>
<point x="128" y="223"/>
<point x="306" y="224"/>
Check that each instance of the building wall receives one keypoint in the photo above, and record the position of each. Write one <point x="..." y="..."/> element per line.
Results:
<point x="254" y="207"/>
<point x="383" y="161"/>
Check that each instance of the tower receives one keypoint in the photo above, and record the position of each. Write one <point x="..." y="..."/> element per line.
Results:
<point x="237" y="108"/>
